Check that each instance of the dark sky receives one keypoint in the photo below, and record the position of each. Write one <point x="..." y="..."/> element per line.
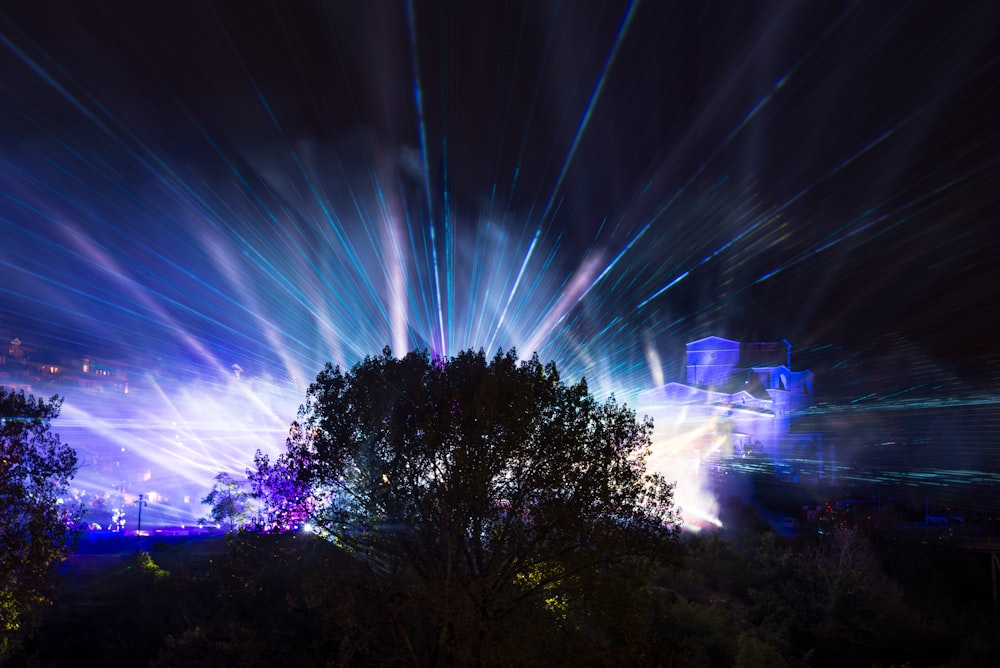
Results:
<point x="281" y="184"/>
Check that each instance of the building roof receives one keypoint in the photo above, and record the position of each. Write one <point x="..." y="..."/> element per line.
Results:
<point x="705" y="343"/>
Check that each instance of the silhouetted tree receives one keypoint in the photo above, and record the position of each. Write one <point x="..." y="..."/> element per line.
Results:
<point x="228" y="500"/>
<point x="484" y="487"/>
<point x="846" y="595"/>
<point x="282" y="499"/>
<point x="35" y="471"/>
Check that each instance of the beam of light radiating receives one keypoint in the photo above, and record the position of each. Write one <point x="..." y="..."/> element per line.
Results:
<point x="513" y="291"/>
<point x="595" y="96"/>
<point x="268" y="213"/>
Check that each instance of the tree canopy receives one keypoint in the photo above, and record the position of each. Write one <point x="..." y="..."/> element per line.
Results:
<point x="228" y="502"/>
<point x="490" y="485"/>
<point x="35" y="471"/>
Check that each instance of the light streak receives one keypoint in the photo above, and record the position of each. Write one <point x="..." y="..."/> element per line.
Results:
<point x="594" y="226"/>
<point x="595" y="96"/>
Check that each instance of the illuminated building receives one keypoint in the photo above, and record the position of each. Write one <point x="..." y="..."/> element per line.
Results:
<point x="25" y="367"/>
<point x="738" y="399"/>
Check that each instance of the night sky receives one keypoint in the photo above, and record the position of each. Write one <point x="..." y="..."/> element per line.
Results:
<point x="281" y="184"/>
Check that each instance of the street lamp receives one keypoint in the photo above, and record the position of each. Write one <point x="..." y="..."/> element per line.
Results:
<point x="141" y="502"/>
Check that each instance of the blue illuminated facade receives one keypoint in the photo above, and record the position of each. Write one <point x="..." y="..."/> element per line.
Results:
<point x="743" y="398"/>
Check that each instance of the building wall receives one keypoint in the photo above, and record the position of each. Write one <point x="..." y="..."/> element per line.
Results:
<point x="711" y="361"/>
<point x="729" y="421"/>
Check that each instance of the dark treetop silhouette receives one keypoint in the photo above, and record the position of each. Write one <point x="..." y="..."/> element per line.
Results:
<point x="485" y="485"/>
<point x="35" y="470"/>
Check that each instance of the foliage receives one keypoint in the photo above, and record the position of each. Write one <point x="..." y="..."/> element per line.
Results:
<point x="35" y="471"/>
<point x="485" y="486"/>
<point x="282" y="499"/>
<point x="143" y="562"/>
<point x="845" y="597"/>
<point x="228" y="500"/>
<point x="823" y="600"/>
<point x="753" y="652"/>
<point x="842" y="576"/>
<point x="254" y="599"/>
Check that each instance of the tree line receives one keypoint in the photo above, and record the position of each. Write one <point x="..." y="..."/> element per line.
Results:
<point x="463" y="511"/>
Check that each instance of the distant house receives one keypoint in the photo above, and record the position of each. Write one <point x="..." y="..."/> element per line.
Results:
<point x="33" y="370"/>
